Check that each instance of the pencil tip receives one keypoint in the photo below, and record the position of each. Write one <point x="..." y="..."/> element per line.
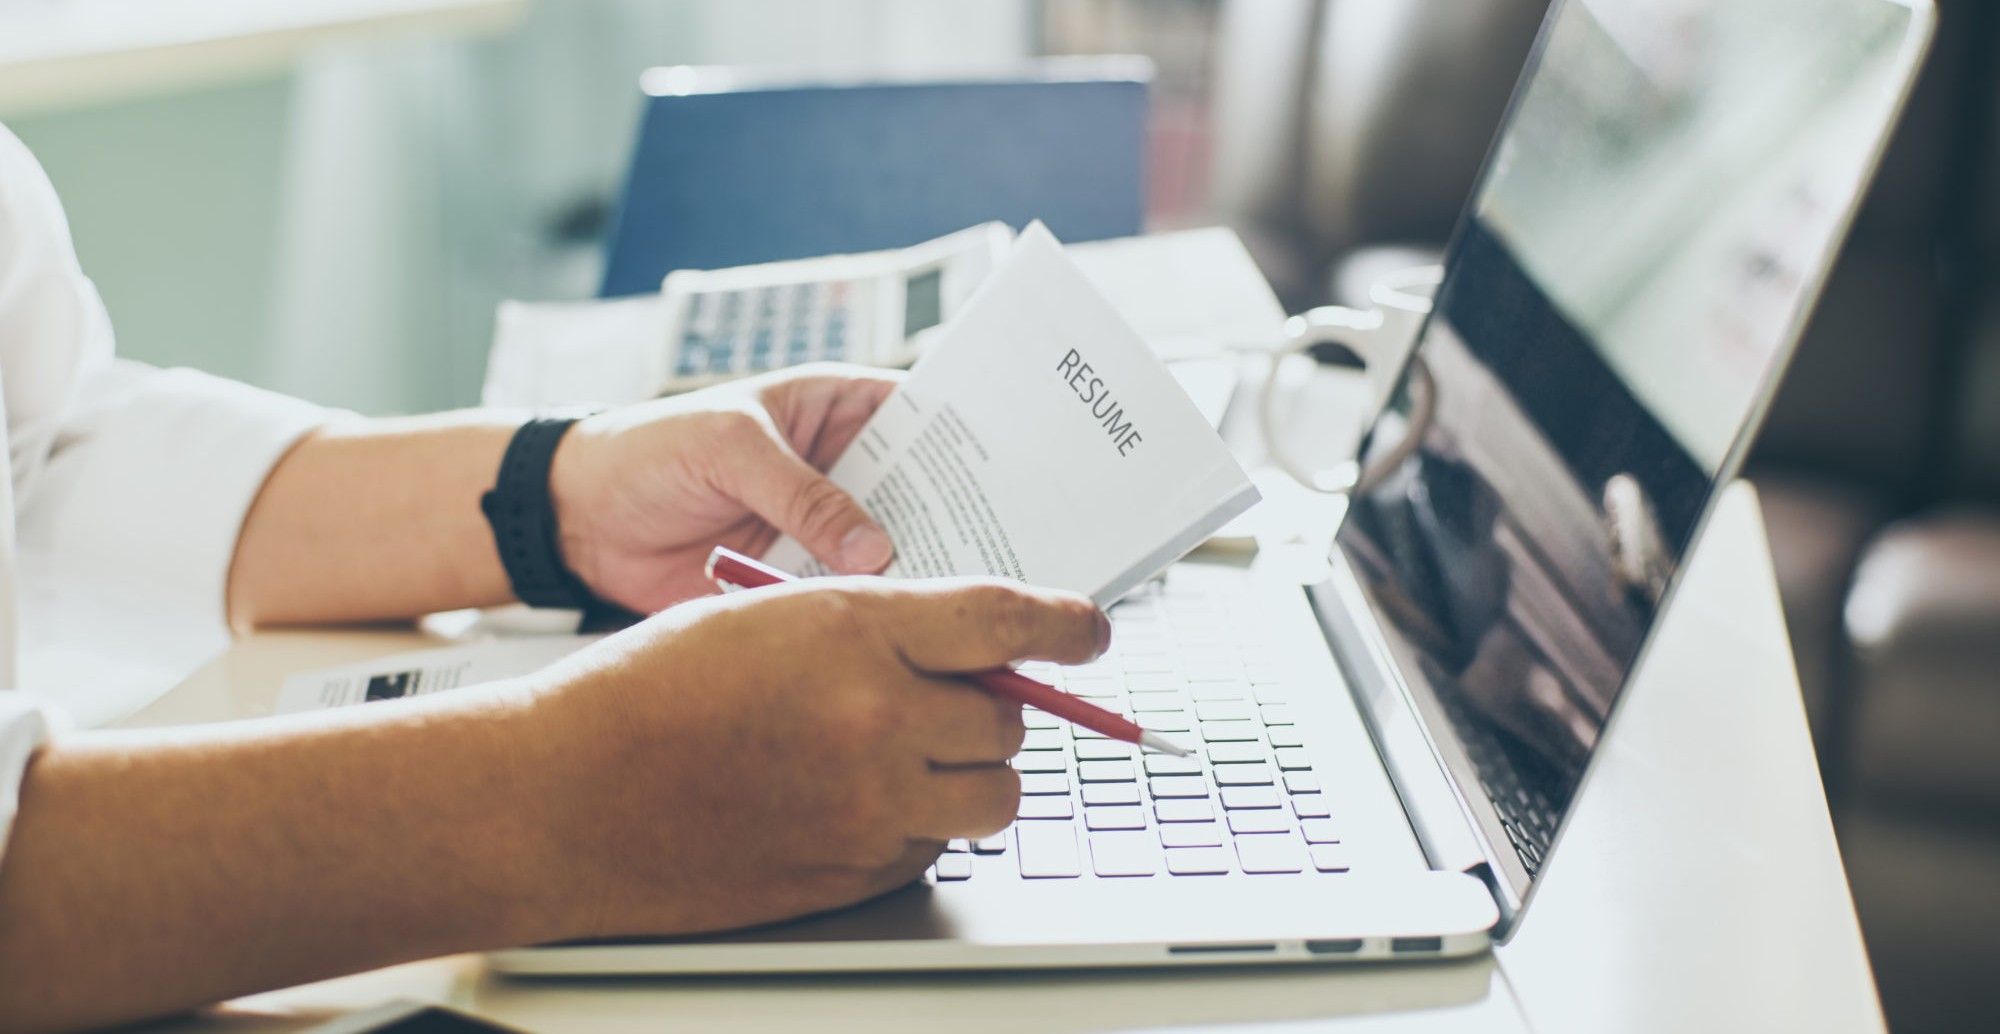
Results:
<point x="1154" y="741"/>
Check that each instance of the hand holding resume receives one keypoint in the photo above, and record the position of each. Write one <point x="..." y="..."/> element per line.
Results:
<point x="1039" y="439"/>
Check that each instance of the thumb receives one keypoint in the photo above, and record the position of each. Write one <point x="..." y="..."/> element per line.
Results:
<point x="798" y="500"/>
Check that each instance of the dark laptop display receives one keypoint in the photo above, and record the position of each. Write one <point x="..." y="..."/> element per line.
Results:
<point x="1631" y="275"/>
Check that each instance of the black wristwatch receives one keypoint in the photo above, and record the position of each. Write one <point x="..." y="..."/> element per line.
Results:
<point x="523" y="518"/>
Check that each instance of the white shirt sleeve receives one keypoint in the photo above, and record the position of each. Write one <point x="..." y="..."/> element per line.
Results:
<point x="129" y="484"/>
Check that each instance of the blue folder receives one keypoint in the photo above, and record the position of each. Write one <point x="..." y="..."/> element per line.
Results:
<point x="732" y="177"/>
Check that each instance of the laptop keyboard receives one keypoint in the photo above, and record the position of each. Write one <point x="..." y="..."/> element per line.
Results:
<point x="1188" y="659"/>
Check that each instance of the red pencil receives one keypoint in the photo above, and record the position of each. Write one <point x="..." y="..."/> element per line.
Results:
<point x="729" y="569"/>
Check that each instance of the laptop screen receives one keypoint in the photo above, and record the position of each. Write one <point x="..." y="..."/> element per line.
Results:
<point x="1655" y="218"/>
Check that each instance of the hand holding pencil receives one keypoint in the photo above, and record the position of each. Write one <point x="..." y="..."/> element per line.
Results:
<point x="730" y="569"/>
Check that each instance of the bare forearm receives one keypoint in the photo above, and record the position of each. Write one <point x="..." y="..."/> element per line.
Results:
<point x="375" y="520"/>
<point x="149" y="872"/>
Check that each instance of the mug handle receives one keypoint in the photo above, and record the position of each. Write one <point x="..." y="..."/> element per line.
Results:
<point x="1375" y="339"/>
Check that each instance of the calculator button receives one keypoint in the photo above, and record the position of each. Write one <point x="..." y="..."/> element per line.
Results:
<point x="953" y="867"/>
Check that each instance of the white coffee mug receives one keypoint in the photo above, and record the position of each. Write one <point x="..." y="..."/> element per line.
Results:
<point x="1381" y="336"/>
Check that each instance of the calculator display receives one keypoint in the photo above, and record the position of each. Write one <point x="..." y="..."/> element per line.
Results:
<point x="923" y="302"/>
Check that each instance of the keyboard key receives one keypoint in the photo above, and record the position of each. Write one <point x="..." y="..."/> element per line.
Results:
<point x="1079" y="733"/>
<point x="1047" y="850"/>
<point x="1330" y="857"/>
<point x="1153" y="671"/>
<point x="1253" y="773"/>
<point x="1224" y="711"/>
<point x="1301" y="782"/>
<point x="1037" y="719"/>
<point x="1213" y="671"/>
<point x="1167" y="764"/>
<point x="1239" y="798"/>
<point x="1230" y="753"/>
<point x="1115" y="818"/>
<point x="995" y="844"/>
<point x="1107" y="771"/>
<point x="1230" y="732"/>
<point x="1268" y="820"/>
<point x="1099" y="794"/>
<point x="1042" y="761"/>
<point x="1147" y="703"/>
<point x="1167" y="721"/>
<point x="1319" y="831"/>
<point x="1285" y="736"/>
<point x="1093" y="688"/>
<point x="1310" y="806"/>
<point x="1184" y="811"/>
<point x="1103" y="750"/>
<point x="1040" y="784"/>
<point x="1191" y="834"/>
<point x="1277" y="714"/>
<point x="1045" y="808"/>
<point x="1177" y="786"/>
<point x="1294" y="759"/>
<point x="953" y="867"/>
<point x="1267" y="852"/>
<point x="1198" y="861"/>
<point x="956" y="847"/>
<point x="1124" y="854"/>
<point x="1272" y="695"/>
<point x="1045" y="739"/>
<point x="1218" y="691"/>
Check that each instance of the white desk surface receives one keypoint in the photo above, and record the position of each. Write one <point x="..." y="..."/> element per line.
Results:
<point x="55" y="53"/>
<point x="1699" y="887"/>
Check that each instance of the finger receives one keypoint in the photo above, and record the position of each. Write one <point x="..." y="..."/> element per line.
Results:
<point x="954" y="625"/>
<point x="967" y="802"/>
<point x="959" y="724"/>
<point x="771" y="479"/>
<point x="822" y="407"/>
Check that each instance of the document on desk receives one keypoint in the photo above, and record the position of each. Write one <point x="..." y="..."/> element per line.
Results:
<point x="424" y="671"/>
<point x="1039" y="439"/>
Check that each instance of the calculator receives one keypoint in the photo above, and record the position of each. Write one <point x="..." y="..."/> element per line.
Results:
<point x="877" y="308"/>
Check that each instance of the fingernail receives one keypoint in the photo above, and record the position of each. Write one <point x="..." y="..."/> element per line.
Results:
<point x="866" y="549"/>
<point x="1103" y="632"/>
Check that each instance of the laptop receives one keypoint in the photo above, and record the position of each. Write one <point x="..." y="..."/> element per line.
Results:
<point x="1392" y="738"/>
